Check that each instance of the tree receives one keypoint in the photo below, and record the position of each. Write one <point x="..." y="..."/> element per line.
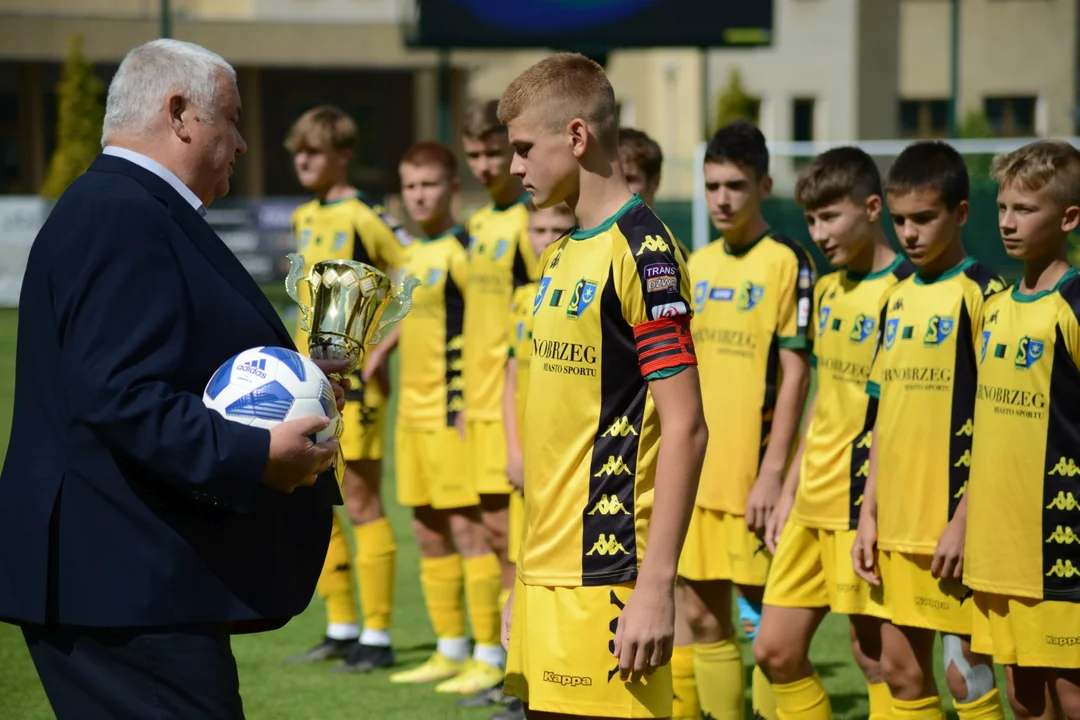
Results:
<point x="734" y="103"/>
<point x="79" y="119"/>
<point x="975" y="126"/>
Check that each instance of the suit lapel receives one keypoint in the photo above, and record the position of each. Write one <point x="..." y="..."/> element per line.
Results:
<point x="202" y="236"/>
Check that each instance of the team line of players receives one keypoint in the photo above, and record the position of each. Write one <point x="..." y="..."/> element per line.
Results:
<point x="932" y="490"/>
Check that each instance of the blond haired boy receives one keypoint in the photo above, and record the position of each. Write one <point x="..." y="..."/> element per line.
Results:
<point x="590" y="623"/>
<point x="1023" y="521"/>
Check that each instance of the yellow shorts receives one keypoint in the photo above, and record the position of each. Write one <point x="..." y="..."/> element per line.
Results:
<point x="560" y="659"/>
<point x="915" y="598"/>
<point x="362" y="433"/>
<point x="1027" y="632"/>
<point x="517" y="524"/>
<point x="486" y="441"/>
<point x="812" y="568"/>
<point x="719" y="546"/>
<point x="431" y="469"/>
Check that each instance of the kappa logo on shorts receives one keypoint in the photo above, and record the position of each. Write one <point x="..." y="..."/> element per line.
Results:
<point x="621" y="427"/>
<point x="607" y="545"/>
<point x="567" y="680"/>
<point x="1063" y="569"/>
<point x="1063" y="640"/>
<point x="1063" y="501"/>
<point x="609" y="505"/>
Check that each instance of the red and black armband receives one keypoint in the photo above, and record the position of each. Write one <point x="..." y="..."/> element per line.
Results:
<point x="664" y="343"/>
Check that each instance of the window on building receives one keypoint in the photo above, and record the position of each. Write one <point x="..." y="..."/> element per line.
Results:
<point x="928" y="118"/>
<point x="802" y="121"/>
<point x="1011" y="116"/>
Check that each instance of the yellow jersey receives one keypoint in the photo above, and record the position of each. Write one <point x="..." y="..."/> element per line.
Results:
<point x="836" y="456"/>
<point x="611" y="312"/>
<point x="432" y="340"/>
<point x="352" y="228"/>
<point x="923" y="376"/>
<point x="500" y="259"/>
<point x="1023" y="512"/>
<point x="521" y="315"/>
<point x="747" y="305"/>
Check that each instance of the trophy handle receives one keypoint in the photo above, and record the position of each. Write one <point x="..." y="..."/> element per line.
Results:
<point x="295" y="277"/>
<point x="397" y="308"/>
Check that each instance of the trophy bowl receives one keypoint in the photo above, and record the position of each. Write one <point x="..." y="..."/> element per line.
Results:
<point x="352" y="304"/>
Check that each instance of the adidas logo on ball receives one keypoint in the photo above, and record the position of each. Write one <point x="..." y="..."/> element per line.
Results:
<point x="254" y="367"/>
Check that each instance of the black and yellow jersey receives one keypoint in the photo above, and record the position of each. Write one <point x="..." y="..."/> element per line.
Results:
<point x="611" y="312"/>
<point x="923" y="376"/>
<point x="432" y="338"/>
<point x="352" y="228"/>
<point x="1023" y="512"/>
<point x="500" y="259"/>
<point x="836" y="456"/>
<point x="521" y="316"/>
<point x="747" y="305"/>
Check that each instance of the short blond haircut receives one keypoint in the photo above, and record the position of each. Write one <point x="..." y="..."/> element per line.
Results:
<point x="325" y="127"/>
<point x="1050" y="163"/>
<point x="482" y="119"/>
<point x="566" y="86"/>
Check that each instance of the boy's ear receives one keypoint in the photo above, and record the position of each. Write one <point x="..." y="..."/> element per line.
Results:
<point x="766" y="186"/>
<point x="455" y="184"/>
<point x="344" y="156"/>
<point x="1071" y="219"/>
<point x="577" y="131"/>
<point x="963" y="209"/>
<point x="874" y="207"/>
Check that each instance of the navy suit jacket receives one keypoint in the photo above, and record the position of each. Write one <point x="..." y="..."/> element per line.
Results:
<point x="124" y="501"/>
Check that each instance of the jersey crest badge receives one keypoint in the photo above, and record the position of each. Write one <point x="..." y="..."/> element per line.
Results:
<point x="937" y="329"/>
<point x="582" y="297"/>
<point x="749" y="296"/>
<point x="1028" y="352"/>
<point x="433" y="276"/>
<point x="701" y="291"/>
<point x="823" y="319"/>
<point x="339" y="240"/>
<point x="500" y="249"/>
<point x="890" y="332"/>
<point x="540" y="293"/>
<point x="863" y="328"/>
<point x="985" y="344"/>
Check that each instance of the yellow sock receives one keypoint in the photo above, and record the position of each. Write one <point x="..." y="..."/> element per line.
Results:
<point x="335" y="585"/>
<point x="762" y="698"/>
<point x="442" y="581"/>
<point x="926" y="709"/>
<point x="376" y="553"/>
<point x="988" y="707"/>
<point x="684" y="685"/>
<point x="802" y="700"/>
<point x="483" y="580"/>
<point x="880" y="700"/>
<point x="504" y="595"/>
<point x="721" y="679"/>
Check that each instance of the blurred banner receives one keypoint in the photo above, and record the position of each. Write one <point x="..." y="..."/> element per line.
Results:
<point x="20" y="220"/>
<point x="591" y="24"/>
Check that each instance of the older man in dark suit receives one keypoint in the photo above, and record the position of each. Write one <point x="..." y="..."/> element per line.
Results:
<point x="138" y="529"/>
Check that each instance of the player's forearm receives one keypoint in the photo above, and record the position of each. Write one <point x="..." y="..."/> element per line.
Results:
<point x="509" y="408"/>
<point x="789" y="405"/>
<point x="683" y="439"/>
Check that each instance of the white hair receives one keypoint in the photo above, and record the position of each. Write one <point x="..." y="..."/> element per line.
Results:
<point x="151" y="73"/>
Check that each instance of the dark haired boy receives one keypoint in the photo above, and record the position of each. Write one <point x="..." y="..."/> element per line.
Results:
<point x="752" y="296"/>
<point x="924" y="381"/>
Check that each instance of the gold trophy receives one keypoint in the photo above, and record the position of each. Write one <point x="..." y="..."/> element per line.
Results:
<point x="352" y="304"/>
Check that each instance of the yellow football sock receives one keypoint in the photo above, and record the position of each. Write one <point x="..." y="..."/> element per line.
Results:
<point x="483" y="580"/>
<point x="335" y="585"/>
<point x="504" y="595"/>
<point x="762" y="699"/>
<point x="721" y="679"/>
<point x="684" y="685"/>
<point x="926" y="709"/>
<point x="988" y="707"/>
<point x="802" y="700"/>
<point x="376" y="553"/>
<point x="442" y="580"/>
<point x="880" y="700"/>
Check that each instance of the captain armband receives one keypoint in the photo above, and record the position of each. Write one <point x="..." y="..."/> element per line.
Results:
<point x="664" y="343"/>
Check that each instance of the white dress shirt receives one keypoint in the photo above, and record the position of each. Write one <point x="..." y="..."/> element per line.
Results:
<point x="161" y="171"/>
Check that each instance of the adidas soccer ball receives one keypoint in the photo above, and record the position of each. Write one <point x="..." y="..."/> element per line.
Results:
<point x="265" y="386"/>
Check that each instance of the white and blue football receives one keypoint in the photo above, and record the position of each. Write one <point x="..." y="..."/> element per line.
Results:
<point x="265" y="386"/>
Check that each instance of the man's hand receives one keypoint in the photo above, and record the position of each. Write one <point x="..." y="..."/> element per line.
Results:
<point x="646" y="631"/>
<point x="329" y="367"/>
<point x="864" y="549"/>
<point x="507" y="618"/>
<point x="762" y="500"/>
<point x="774" y="526"/>
<point x="295" y="461"/>
<point x="948" y="562"/>
<point x="515" y="469"/>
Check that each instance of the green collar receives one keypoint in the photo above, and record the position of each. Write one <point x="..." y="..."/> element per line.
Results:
<point x="859" y="277"/>
<point x="1026" y="298"/>
<point x="742" y="251"/>
<point x="579" y="234"/>
<point x="503" y="208"/>
<point x="449" y="233"/>
<point x="955" y="270"/>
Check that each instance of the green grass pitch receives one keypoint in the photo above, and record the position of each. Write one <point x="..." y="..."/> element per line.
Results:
<point x="274" y="691"/>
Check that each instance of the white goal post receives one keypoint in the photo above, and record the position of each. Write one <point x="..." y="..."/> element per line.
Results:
<point x="782" y="155"/>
